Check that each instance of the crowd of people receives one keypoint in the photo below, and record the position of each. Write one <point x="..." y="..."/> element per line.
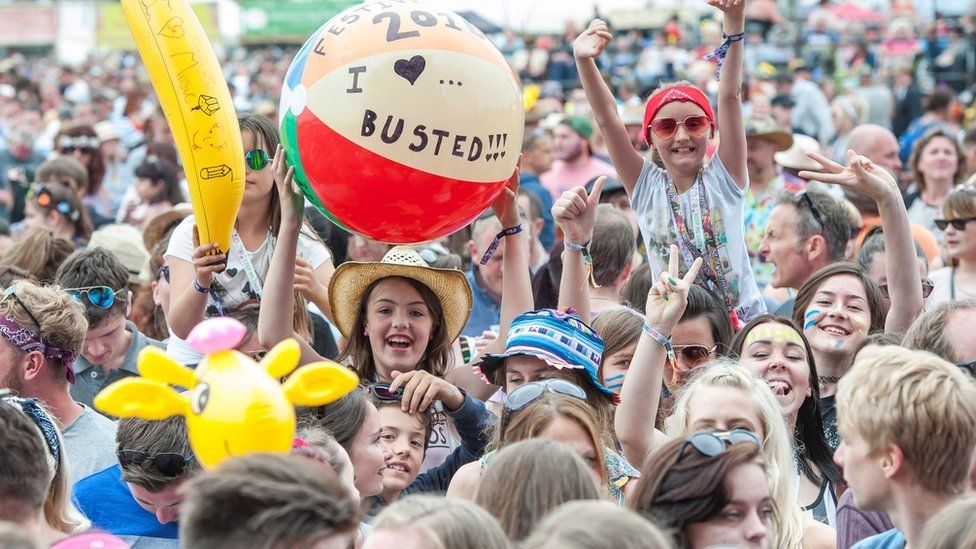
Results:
<point x="725" y="311"/>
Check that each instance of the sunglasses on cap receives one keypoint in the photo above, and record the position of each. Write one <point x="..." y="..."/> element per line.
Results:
<point x="958" y="224"/>
<point x="256" y="159"/>
<point x="100" y="296"/>
<point x="711" y="444"/>
<point x="382" y="392"/>
<point x="927" y="288"/>
<point x="169" y="464"/>
<point x="694" y="355"/>
<point x="695" y="125"/>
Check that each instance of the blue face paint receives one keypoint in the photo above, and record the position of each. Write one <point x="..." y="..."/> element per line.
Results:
<point x="614" y="378"/>
<point x="809" y="324"/>
<point x="811" y="318"/>
<point x="838" y="344"/>
<point x="614" y="386"/>
<point x="812" y="312"/>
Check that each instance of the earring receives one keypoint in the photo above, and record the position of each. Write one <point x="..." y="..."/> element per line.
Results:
<point x="366" y="333"/>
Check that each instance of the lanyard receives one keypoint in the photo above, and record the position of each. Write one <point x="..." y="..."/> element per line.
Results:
<point x="712" y="274"/>
<point x="252" y="275"/>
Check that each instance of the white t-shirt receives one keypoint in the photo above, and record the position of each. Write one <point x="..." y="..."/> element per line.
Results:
<point x="232" y="285"/>
<point x="726" y="204"/>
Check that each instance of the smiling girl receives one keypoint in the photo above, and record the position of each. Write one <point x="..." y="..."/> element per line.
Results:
<point x="694" y="204"/>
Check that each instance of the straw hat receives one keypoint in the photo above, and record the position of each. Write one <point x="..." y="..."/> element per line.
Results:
<point x="764" y="127"/>
<point x="350" y="280"/>
<point x="795" y="158"/>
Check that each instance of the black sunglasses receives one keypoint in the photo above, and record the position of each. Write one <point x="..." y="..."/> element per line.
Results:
<point x="169" y="464"/>
<point x="711" y="444"/>
<point x="927" y="288"/>
<point x="804" y="197"/>
<point x="382" y="392"/>
<point x="958" y="224"/>
<point x="968" y="367"/>
<point x="256" y="159"/>
<point x="164" y="271"/>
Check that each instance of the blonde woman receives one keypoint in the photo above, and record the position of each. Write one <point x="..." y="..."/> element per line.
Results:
<point x="436" y="522"/>
<point x="607" y="526"/>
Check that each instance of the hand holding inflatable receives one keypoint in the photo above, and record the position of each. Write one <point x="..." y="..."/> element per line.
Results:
<point x="192" y="91"/>
<point x="233" y="406"/>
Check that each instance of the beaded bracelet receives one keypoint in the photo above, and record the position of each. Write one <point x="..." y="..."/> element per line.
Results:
<point x="664" y="341"/>
<point x="498" y="240"/>
<point x="719" y="54"/>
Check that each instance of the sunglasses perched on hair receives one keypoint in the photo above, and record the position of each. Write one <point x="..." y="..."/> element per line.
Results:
<point x="256" y="159"/>
<point x="695" y="125"/>
<point x="712" y="444"/>
<point x="170" y="465"/>
<point x="927" y="288"/>
<point x="803" y="197"/>
<point x="102" y="297"/>
<point x="531" y="392"/>
<point x="382" y="392"/>
<point x="958" y="224"/>
<point x="693" y="355"/>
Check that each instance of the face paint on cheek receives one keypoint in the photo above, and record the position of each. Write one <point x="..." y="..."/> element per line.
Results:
<point x="811" y="318"/>
<point x="838" y="344"/>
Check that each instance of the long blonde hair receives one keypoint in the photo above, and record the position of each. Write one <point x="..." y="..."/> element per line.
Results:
<point x="777" y="443"/>
<point x="444" y="523"/>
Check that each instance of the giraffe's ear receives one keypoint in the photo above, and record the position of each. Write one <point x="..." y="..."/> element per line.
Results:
<point x="142" y="398"/>
<point x="319" y="383"/>
<point x="156" y="365"/>
<point x="282" y="359"/>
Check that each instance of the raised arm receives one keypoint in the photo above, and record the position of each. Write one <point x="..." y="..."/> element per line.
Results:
<point x="586" y="48"/>
<point x="188" y="305"/>
<point x="904" y="284"/>
<point x="575" y="214"/>
<point x="275" y="320"/>
<point x="732" y="143"/>
<point x="640" y="395"/>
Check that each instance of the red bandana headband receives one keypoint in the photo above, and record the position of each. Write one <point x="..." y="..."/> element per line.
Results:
<point x="678" y="92"/>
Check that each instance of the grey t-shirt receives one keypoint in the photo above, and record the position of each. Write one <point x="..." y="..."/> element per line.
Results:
<point x="725" y="203"/>
<point x="89" y="443"/>
<point x="90" y="378"/>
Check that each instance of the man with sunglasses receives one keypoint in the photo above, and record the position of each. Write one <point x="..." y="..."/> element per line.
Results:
<point x="98" y="280"/>
<point x="139" y="498"/>
<point x="575" y="163"/>
<point x="42" y="330"/>
<point x="806" y="231"/>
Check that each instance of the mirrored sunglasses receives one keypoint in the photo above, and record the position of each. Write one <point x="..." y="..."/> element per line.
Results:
<point x="382" y="392"/>
<point x="712" y="444"/>
<point x="256" y="159"/>
<point x="102" y="297"/>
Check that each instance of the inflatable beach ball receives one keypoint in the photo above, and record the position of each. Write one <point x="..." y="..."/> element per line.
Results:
<point x="403" y="121"/>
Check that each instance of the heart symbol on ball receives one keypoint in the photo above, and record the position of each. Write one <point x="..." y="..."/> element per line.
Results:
<point x="410" y="69"/>
<point x="173" y="28"/>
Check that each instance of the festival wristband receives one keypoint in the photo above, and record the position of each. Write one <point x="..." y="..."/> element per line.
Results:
<point x="664" y="341"/>
<point x="719" y="54"/>
<point x="199" y="288"/>
<point x="587" y="258"/>
<point x="498" y="240"/>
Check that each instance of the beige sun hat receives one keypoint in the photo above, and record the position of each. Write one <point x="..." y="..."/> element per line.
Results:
<point x="351" y="279"/>
<point x="795" y="158"/>
<point x="764" y="127"/>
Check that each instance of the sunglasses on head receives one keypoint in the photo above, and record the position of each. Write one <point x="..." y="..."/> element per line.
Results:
<point x="927" y="288"/>
<point x="695" y="125"/>
<point x="711" y="444"/>
<point x="170" y="465"/>
<point x="382" y="392"/>
<point x="100" y="296"/>
<point x="958" y="224"/>
<point x="533" y="391"/>
<point x="256" y="159"/>
<point x="803" y="197"/>
<point x="694" y="355"/>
